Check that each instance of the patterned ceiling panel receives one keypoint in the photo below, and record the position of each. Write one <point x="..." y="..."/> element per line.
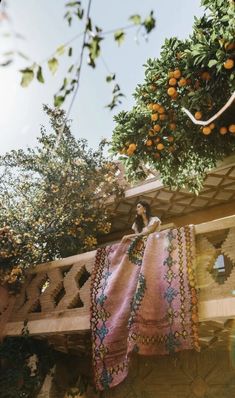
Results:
<point x="219" y="188"/>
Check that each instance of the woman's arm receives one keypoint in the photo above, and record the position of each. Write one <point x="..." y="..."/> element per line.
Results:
<point x="148" y="230"/>
<point x="152" y="228"/>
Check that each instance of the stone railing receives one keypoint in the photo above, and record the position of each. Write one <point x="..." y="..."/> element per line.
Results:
<point x="56" y="296"/>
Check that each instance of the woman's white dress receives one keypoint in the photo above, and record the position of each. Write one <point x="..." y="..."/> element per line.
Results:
<point x="152" y="220"/>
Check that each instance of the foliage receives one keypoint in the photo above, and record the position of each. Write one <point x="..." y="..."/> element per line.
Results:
<point x="93" y="38"/>
<point x="24" y="362"/>
<point x="197" y="74"/>
<point x="53" y="199"/>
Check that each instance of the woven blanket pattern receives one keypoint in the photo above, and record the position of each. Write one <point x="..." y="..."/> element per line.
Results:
<point x="143" y="300"/>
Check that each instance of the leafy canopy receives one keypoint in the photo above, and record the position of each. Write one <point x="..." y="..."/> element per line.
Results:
<point x="198" y="74"/>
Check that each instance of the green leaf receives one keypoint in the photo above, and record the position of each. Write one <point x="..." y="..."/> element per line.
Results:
<point x="27" y="77"/>
<point x="95" y="47"/>
<point x="212" y="62"/>
<point x="110" y="78"/>
<point x="149" y="23"/>
<point x="53" y="65"/>
<point x="60" y="50"/>
<point x="40" y="77"/>
<point x="136" y="19"/>
<point x="119" y="36"/>
<point x="70" y="68"/>
<point x="72" y="3"/>
<point x="58" y="100"/>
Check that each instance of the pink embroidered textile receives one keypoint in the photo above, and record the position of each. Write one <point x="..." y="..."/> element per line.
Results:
<point x="144" y="300"/>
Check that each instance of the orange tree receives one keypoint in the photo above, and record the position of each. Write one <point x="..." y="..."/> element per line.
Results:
<point x="53" y="200"/>
<point x="197" y="74"/>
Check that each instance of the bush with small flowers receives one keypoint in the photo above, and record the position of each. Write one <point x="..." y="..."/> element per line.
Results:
<point x="53" y="200"/>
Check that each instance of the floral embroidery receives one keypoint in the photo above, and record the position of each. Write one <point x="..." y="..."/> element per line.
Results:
<point x="138" y="297"/>
<point x="136" y="250"/>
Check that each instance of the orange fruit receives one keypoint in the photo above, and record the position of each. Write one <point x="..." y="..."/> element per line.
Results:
<point x="229" y="64"/>
<point x="229" y="46"/>
<point x="223" y="130"/>
<point x="132" y="147"/>
<point x="212" y="126"/>
<point x="158" y="139"/>
<point x="206" y="130"/>
<point x="160" y="146"/>
<point x="172" y="126"/>
<point x="156" y="107"/>
<point x="154" y="117"/>
<point x="182" y="82"/>
<point x="161" y="109"/>
<point x="156" y="155"/>
<point x="231" y="128"/>
<point x="170" y="74"/>
<point x="171" y="91"/>
<point x="172" y="82"/>
<point x="205" y="76"/>
<point x="175" y="96"/>
<point x="198" y="115"/>
<point x="157" y="127"/>
<point x="150" y="106"/>
<point x="170" y="138"/>
<point x="177" y="73"/>
<point x="151" y="133"/>
<point x="163" y="116"/>
<point x="149" y="142"/>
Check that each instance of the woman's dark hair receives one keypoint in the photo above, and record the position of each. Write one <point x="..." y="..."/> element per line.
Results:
<point x="139" y="219"/>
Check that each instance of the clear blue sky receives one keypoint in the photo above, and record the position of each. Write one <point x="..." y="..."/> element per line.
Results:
<point x="42" y="25"/>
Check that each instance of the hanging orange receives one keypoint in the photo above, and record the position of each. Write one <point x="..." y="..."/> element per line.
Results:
<point x="206" y="130"/>
<point x="172" y="126"/>
<point x="231" y="128"/>
<point x="182" y="82"/>
<point x="177" y="73"/>
<point x="171" y="91"/>
<point x="154" y="117"/>
<point x="160" y="146"/>
<point x="198" y="115"/>
<point x="163" y="116"/>
<point x="157" y="127"/>
<point x="205" y="76"/>
<point x="229" y="64"/>
<point x="172" y="81"/>
<point x="156" y="107"/>
<point x="223" y="130"/>
<point x="161" y="109"/>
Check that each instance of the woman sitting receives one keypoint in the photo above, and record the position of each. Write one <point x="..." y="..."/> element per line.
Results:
<point x="144" y="223"/>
